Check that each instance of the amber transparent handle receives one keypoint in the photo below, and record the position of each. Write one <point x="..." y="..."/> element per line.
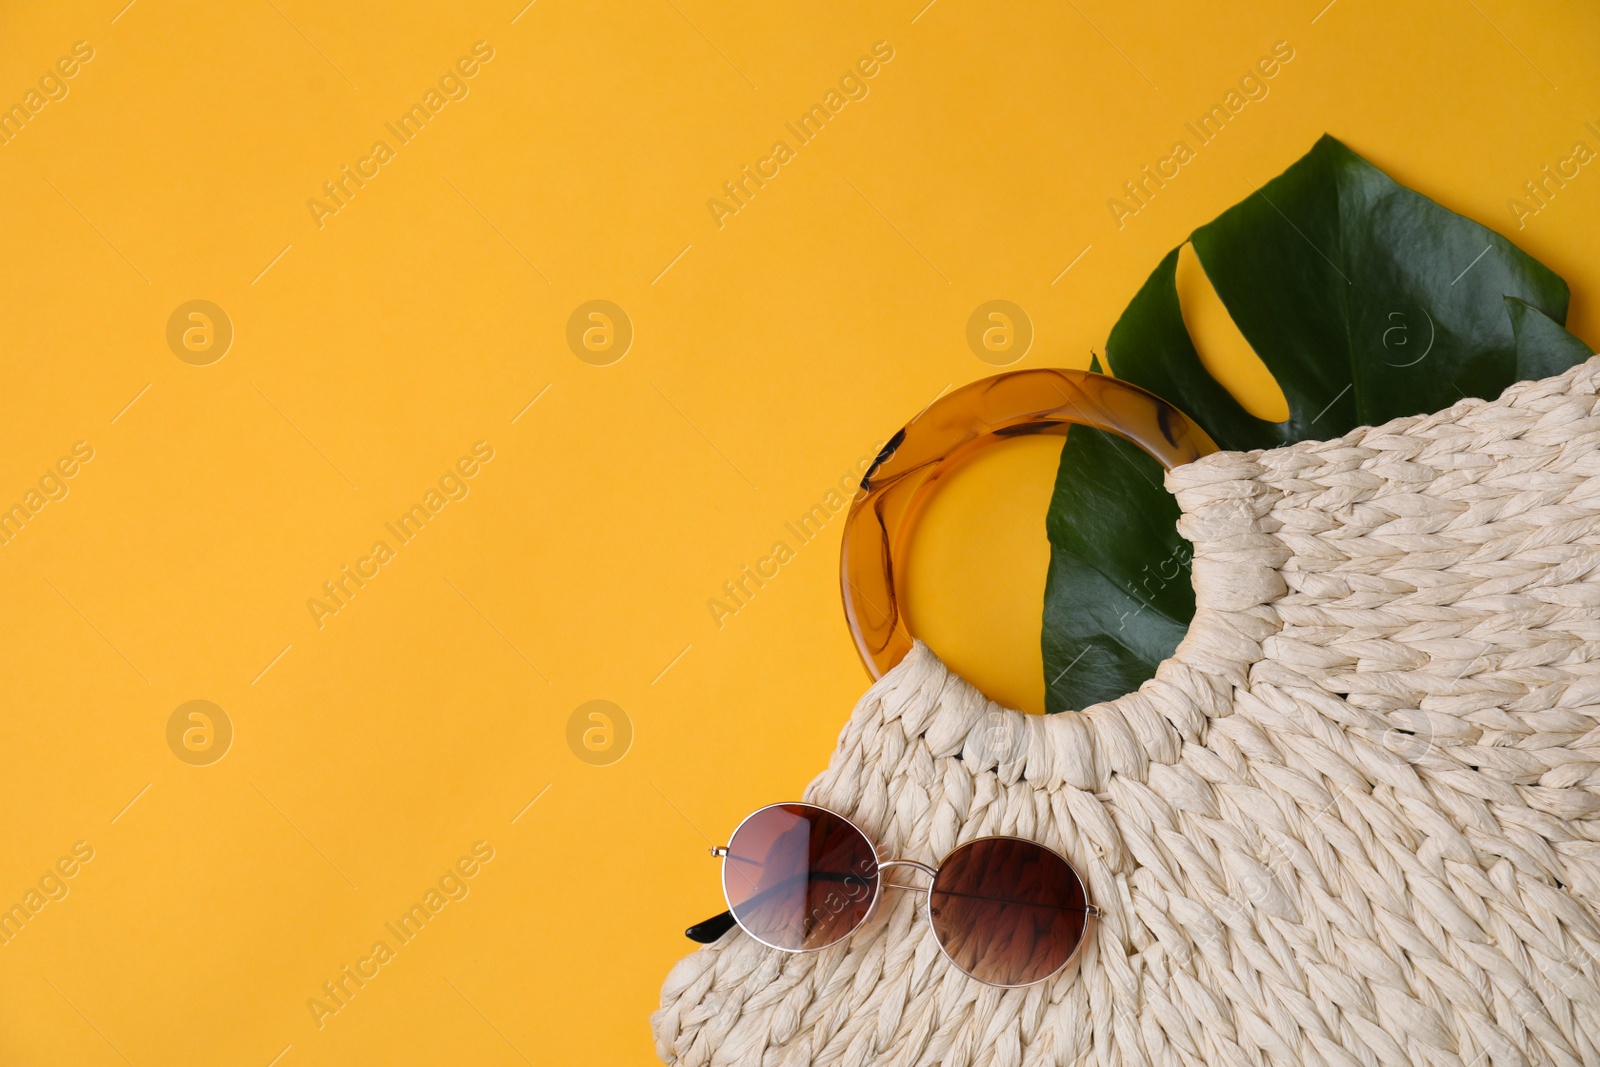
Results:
<point x="878" y="532"/>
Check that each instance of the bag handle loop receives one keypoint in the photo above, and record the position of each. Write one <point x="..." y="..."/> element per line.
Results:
<point x="907" y="473"/>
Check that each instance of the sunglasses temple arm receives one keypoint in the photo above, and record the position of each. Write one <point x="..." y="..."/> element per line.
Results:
<point x="708" y="931"/>
<point x="711" y="929"/>
<point x="1087" y="909"/>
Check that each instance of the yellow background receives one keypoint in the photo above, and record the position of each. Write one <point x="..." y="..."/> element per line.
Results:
<point x="769" y="355"/>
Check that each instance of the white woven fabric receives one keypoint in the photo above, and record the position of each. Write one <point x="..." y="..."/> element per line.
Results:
<point x="1355" y="820"/>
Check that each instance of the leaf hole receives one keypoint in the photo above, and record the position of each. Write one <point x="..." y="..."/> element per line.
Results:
<point x="1223" y="350"/>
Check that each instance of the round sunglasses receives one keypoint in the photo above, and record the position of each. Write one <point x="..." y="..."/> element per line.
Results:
<point x="799" y="877"/>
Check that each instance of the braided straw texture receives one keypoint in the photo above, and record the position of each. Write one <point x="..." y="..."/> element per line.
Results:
<point x="1354" y="820"/>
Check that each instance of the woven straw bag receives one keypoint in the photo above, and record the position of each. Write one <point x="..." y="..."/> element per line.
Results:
<point x="1354" y="820"/>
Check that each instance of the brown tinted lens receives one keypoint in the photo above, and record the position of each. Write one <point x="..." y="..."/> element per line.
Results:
<point x="1007" y="912"/>
<point x="798" y="877"/>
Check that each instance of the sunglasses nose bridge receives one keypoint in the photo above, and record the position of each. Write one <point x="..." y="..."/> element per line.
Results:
<point x="923" y="867"/>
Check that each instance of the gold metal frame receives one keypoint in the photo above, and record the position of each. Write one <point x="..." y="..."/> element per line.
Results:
<point x="721" y="851"/>
<point x="1090" y="911"/>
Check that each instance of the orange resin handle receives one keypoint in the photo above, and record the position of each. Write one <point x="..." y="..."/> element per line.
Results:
<point x="878" y="532"/>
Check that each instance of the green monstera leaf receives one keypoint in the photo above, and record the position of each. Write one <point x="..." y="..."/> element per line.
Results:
<point x="1364" y="299"/>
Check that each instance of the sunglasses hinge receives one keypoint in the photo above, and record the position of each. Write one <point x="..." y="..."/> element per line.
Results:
<point x="718" y="850"/>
